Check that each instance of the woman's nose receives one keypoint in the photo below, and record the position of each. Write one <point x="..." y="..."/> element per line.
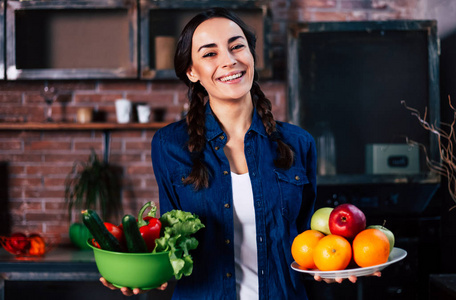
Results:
<point x="228" y="59"/>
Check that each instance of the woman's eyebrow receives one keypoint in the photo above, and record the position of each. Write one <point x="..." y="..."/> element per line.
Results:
<point x="213" y="45"/>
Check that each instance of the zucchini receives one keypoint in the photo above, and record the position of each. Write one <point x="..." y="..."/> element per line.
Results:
<point x="99" y="231"/>
<point x="134" y="240"/>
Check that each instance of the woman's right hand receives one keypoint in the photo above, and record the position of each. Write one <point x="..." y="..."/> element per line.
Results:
<point x="130" y="292"/>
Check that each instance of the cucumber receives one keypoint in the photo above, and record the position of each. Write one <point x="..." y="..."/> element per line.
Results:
<point x="99" y="231"/>
<point x="134" y="240"/>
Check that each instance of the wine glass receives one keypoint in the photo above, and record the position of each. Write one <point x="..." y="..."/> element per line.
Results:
<point x="49" y="94"/>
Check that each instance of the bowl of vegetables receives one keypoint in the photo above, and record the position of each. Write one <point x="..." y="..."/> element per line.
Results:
<point x="134" y="270"/>
<point x="146" y="251"/>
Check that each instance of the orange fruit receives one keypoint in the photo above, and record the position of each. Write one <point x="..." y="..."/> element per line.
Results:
<point x="332" y="253"/>
<point x="370" y="247"/>
<point x="303" y="247"/>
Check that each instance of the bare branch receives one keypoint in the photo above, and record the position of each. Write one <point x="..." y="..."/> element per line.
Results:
<point x="446" y="138"/>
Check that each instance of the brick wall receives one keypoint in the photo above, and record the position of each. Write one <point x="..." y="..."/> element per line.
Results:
<point x="39" y="161"/>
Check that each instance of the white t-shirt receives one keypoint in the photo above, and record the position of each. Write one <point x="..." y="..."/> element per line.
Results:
<point x="245" y="247"/>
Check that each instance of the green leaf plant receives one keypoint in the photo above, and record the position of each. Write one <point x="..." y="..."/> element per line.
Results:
<point x="94" y="185"/>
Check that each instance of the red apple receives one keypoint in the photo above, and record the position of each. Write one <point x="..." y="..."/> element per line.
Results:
<point x="347" y="220"/>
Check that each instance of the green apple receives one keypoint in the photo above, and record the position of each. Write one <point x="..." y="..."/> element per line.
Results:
<point x="389" y="234"/>
<point x="320" y="218"/>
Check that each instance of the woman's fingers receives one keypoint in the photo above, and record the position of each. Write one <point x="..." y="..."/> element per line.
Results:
<point x="352" y="278"/>
<point x="163" y="286"/>
<point x="129" y="292"/>
<point x="107" y="284"/>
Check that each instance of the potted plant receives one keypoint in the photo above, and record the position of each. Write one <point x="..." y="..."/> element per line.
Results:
<point x="91" y="185"/>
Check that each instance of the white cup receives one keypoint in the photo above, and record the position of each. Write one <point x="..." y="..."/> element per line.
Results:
<point x="143" y="113"/>
<point x="123" y="110"/>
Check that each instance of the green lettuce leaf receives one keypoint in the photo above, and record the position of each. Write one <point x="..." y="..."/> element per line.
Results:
<point x="177" y="228"/>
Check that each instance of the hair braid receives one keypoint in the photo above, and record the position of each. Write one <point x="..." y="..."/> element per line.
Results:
<point x="285" y="155"/>
<point x="199" y="176"/>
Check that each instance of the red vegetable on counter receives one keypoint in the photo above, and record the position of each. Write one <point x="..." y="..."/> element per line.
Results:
<point x="149" y="226"/>
<point x="37" y="245"/>
<point x="17" y="243"/>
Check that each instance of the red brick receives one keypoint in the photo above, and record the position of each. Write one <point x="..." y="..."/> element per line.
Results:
<point x="43" y="217"/>
<point x="22" y="205"/>
<point x="69" y="134"/>
<point x="139" y="170"/>
<point x="10" y="145"/>
<point x="48" y="169"/>
<point x="20" y="157"/>
<point x="126" y="134"/>
<point x="154" y="99"/>
<point x="97" y="145"/>
<point x="330" y="16"/>
<point x="47" y="145"/>
<point x="16" y="170"/>
<point x="59" y="206"/>
<point x="44" y="193"/>
<point x="12" y="98"/>
<point x="96" y="98"/>
<point x="140" y="145"/>
<point x="123" y="85"/>
<point x="54" y="182"/>
<point x="315" y="3"/>
<point x="24" y="181"/>
<point x="68" y="158"/>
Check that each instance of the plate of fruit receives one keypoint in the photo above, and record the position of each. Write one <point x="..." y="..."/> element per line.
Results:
<point x="339" y="245"/>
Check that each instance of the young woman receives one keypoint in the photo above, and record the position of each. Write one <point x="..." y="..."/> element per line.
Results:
<point x="250" y="178"/>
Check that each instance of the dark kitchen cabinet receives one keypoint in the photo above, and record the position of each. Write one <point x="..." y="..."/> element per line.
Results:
<point x="71" y="40"/>
<point x="109" y="39"/>
<point x="161" y="23"/>
<point x="346" y="81"/>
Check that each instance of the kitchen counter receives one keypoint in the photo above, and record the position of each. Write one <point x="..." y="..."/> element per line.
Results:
<point x="63" y="273"/>
<point x="61" y="263"/>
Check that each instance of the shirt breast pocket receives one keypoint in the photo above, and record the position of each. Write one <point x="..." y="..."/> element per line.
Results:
<point x="291" y="184"/>
<point x="188" y="198"/>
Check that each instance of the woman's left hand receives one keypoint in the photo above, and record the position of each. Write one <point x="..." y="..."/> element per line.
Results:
<point x="339" y="280"/>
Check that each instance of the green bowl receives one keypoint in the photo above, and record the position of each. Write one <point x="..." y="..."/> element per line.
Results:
<point x="133" y="270"/>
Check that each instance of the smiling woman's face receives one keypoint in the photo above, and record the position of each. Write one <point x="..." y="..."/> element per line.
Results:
<point x="221" y="60"/>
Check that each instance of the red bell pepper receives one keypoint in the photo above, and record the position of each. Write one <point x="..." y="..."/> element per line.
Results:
<point x="149" y="226"/>
<point x="17" y="243"/>
<point x="117" y="232"/>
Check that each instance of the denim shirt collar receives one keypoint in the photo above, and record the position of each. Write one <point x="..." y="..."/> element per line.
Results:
<point x="214" y="130"/>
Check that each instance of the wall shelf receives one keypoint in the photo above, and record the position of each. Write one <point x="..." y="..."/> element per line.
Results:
<point x="76" y="126"/>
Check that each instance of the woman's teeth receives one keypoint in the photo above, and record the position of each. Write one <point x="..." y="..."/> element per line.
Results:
<point x="231" y="77"/>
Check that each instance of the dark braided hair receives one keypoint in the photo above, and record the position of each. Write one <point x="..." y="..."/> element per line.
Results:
<point x="197" y="95"/>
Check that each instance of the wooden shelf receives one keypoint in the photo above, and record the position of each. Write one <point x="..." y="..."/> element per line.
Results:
<point x="77" y="126"/>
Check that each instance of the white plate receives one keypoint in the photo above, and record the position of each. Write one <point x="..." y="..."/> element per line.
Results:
<point x="396" y="255"/>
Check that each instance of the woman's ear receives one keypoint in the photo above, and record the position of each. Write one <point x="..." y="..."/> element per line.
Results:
<point x="191" y="76"/>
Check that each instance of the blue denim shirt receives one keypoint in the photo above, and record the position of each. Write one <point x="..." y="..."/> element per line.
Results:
<point x="284" y="201"/>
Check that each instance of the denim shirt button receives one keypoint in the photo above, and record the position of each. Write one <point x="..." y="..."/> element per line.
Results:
<point x="216" y="147"/>
<point x="225" y="172"/>
<point x="227" y="205"/>
<point x="227" y="241"/>
<point x="221" y="137"/>
<point x="297" y="177"/>
<point x="228" y="275"/>
<point x="261" y="239"/>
